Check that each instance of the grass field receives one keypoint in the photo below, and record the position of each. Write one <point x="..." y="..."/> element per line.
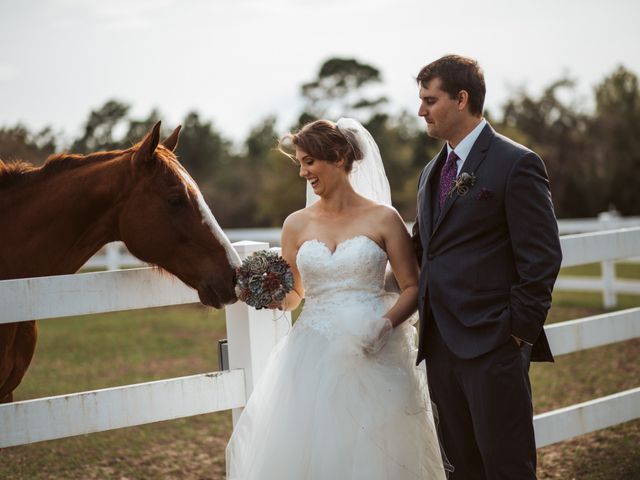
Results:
<point x="97" y="351"/>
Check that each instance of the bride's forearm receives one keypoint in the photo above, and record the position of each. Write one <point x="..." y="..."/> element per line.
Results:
<point x="291" y="301"/>
<point x="404" y="307"/>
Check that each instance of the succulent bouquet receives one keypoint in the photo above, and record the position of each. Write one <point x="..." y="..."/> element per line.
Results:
<point x="263" y="278"/>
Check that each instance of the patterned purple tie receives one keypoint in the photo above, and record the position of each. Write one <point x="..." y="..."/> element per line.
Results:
<point x="448" y="176"/>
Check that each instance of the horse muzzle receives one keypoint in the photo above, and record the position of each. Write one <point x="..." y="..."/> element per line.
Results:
<point x="216" y="297"/>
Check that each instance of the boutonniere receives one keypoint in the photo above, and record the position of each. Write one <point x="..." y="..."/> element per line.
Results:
<point x="463" y="183"/>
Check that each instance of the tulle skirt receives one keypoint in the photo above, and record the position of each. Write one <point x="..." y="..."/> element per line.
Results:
<point x="323" y="410"/>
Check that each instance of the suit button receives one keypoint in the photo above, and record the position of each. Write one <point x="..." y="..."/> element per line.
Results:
<point x="431" y="256"/>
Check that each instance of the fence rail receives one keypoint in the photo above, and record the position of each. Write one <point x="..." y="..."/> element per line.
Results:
<point x="586" y="284"/>
<point x="604" y="221"/>
<point x="569" y="422"/>
<point x="110" y="408"/>
<point x="89" y="293"/>
<point x="251" y="335"/>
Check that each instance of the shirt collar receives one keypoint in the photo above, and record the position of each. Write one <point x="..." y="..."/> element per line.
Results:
<point x="464" y="147"/>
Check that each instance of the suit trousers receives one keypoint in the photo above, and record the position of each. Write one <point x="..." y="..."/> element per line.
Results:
<point x="484" y="409"/>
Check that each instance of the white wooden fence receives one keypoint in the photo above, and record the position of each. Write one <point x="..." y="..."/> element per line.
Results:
<point x="607" y="283"/>
<point x="252" y="334"/>
<point x="610" y="220"/>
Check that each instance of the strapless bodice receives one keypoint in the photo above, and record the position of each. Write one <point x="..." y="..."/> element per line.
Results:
<point x="356" y="267"/>
<point x="344" y="289"/>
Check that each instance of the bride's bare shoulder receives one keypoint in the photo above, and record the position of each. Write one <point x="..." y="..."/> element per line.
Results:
<point x="295" y="223"/>
<point x="386" y="216"/>
<point x="383" y="212"/>
<point x="296" y="219"/>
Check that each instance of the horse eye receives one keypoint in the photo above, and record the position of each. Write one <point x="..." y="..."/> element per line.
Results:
<point x="176" y="200"/>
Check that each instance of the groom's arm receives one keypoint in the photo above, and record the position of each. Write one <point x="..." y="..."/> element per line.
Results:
<point x="417" y="242"/>
<point x="415" y="230"/>
<point x="535" y="243"/>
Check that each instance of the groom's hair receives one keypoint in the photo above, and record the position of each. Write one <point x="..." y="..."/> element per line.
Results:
<point x="457" y="73"/>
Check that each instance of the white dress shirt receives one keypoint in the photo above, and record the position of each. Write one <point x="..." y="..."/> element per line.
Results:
<point x="464" y="147"/>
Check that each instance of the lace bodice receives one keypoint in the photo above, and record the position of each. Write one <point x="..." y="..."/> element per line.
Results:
<point x="357" y="265"/>
<point x="350" y="277"/>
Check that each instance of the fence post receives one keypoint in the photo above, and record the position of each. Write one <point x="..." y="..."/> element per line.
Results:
<point x="609" y="220"/>
<point x="609" y="297"/>
<point x="252" y="333"/>
<point x="112" y="255"/>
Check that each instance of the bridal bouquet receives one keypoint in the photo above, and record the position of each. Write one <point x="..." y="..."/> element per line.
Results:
<point x="263" y="278"/>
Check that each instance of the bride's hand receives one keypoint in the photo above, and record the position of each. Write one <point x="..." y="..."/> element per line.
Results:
<point x="276" y="305"/>
<point x="377" y="336"/>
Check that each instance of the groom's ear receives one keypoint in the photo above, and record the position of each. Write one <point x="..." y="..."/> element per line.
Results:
<point x="463" y="99"/>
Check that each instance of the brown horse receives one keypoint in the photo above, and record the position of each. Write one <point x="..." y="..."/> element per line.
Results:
<point x="54" y="218"/>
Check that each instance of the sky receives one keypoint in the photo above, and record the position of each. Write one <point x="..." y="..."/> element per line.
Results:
<point x="238" y="61"/>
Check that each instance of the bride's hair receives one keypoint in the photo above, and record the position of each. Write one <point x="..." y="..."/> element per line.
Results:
<point x="323" y="140"/>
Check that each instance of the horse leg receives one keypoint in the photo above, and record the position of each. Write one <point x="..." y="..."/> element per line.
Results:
<point x="19" y="345"/>
<point x="7" y="356"/>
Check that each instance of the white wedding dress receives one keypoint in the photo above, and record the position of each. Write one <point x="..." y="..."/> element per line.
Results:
<point x="323" y="410"/>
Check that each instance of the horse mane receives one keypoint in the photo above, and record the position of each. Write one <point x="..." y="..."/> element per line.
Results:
<point x="18" y="170"/>
<point x="68" y="161"/>
<point x="12" y="172"/>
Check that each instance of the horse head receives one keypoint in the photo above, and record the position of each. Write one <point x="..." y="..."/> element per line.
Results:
<point x="165" y="221"/>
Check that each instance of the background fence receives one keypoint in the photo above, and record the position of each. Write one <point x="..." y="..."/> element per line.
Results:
<point x="251" y="335"/>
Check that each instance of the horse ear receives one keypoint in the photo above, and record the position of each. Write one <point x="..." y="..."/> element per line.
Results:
<point x="172" y="140"/>
<point x="148" y="144"/>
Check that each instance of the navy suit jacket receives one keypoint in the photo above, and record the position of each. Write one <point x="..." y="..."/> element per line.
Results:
<point x="490" y="258"/>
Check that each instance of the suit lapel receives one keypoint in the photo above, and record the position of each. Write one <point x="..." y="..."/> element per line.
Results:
<point x="476" y="156"/>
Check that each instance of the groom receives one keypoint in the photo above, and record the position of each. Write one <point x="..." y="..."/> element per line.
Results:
<point x="487" y="241"/>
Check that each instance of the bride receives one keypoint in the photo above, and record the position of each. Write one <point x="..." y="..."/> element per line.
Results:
<point x="340" y="397"/>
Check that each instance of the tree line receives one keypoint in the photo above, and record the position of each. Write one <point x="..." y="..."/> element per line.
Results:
<point x="591" y="147"/>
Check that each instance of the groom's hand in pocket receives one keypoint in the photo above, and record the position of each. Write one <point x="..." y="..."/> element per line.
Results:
<point x="519" y="341"/>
